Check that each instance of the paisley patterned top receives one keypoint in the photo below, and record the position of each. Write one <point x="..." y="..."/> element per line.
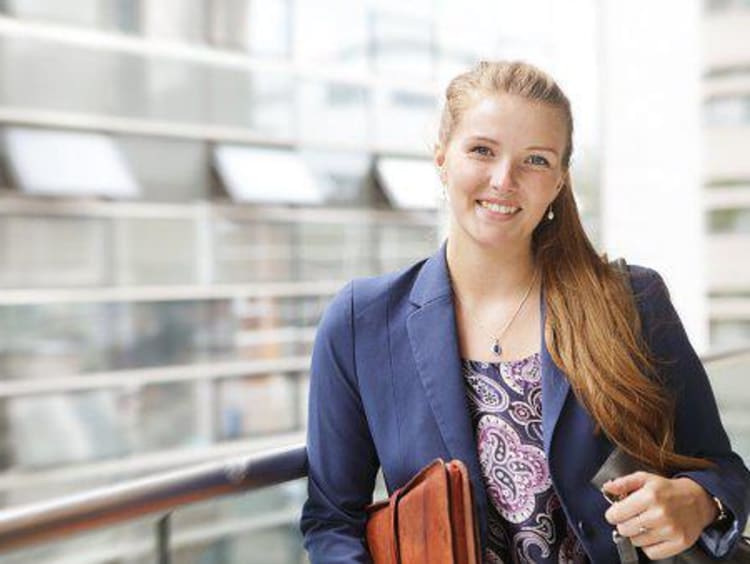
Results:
<point x="525" y="521"/>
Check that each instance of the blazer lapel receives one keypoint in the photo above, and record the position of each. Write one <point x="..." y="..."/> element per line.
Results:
<point x="434" y="344"/>
<point x="555" y="388"/>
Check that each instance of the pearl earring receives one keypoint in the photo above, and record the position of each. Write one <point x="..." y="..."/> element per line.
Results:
<point x="550" y="213"/>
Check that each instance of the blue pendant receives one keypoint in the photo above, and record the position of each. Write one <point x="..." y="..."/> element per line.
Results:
<point x="496" y="348"/>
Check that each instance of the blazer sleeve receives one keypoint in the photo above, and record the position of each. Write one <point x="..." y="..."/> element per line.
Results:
<point x="342" y="461"/>
<point x="698" y="428"/>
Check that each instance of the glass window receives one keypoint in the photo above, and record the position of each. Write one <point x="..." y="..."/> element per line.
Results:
<point x="261" y="101"/>
<point x="64" y="163"/>
<point x="167" y="169"/>
<point x="729" y="221"/>
<point x="717" y="5"/>
<point x="329" y="251"/>
<point x="333" y="112"/>
<point x="257" y="405"/>
<point x="265" y="175"/>
<point x="153" y="251"/>
<point x="728" y="110"/>
<point x="405" y="120"/>
<point x="730" y="333"/>
<point x="78" y="427"/>
<point x="409" y="183"/>
<point x="343" y="178"/>
<point x="403" y="44"/>
<point x="120" y="15"/>
<point x="58" y="340"/>
<point x="43" y="252"/>
<point x="249" y="251"/>
<point x="260" y="27"/>
<point x="57" y="429"/>
<point x="340" y="39"/>
<point x="178" y="20"/>
<point x="38" y="74"/>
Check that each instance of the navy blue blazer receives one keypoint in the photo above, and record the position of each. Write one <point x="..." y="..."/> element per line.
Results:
<point x="386" y="390"/>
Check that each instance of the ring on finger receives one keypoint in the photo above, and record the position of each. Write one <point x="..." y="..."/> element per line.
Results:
<point x="641" y="528"/>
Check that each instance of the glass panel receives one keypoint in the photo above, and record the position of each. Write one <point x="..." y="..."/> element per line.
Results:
<point x="57" y="340"/>
<point x="167" y="169"/>
<point x="64" y="163"/>
<point x="729" y="380"/>
<point x="263" y="175"/>
<point x="409" y="183"/>
<point x="340" y="39"/>
<point x="260" y="526"/>
<point x="273" y="545"/>
<point x="727" y="110"/>
<point x="401" y="245"/>
<point x="47" y="75"/>
<point x="334" y="251"/>
<point x="246" y="251"/>
<point x="181" y="20"/>
<point x="729" y="221"/>
<point x="405" y="120"/>
<point x="403" y="44"/>
<point x="262" y="101"/>
<point x="260" y="27"/>
<point x="37" y="252"/>
<point x="717" y="5"/>
<point x="120" y="15"/>
<point x="51" y="430"/>
<point x="257" y="405"/>
<point x="343" y="178"/>
<point x="128" y="543"/>
<point x="333" y="112"/>
<point x="278" y="327"/>
<point x="728" y="333"/>
<point x="155" y="251"/>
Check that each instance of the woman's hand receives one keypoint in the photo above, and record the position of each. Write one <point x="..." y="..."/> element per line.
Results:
<point x="661" y="515"/>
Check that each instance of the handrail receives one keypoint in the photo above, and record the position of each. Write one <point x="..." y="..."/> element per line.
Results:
<point x="725" y="354"/>
<point x="163" y="492"/>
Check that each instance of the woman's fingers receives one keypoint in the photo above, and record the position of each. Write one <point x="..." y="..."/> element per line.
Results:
<point x="639" y="496"/>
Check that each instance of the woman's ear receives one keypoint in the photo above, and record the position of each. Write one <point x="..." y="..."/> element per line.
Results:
<point x="439" y="159"/>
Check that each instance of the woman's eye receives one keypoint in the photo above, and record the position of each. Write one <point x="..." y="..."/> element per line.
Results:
<point x="538" y="160"/>
<point x="481" y="150"/>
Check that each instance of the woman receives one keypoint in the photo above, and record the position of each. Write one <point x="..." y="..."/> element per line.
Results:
<point x="519" y="350"/>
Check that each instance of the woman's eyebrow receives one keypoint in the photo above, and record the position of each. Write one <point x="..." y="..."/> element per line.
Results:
<point x="483" y="139"/>
<point x="540" y="148"/>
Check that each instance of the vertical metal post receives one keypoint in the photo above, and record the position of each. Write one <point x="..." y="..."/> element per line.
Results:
<point x="162" y="539"/>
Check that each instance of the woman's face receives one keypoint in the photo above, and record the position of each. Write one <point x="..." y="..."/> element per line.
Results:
<point x="502" y="168"/>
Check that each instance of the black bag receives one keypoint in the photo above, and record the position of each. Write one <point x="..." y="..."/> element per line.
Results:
<point x="618" y="464"/>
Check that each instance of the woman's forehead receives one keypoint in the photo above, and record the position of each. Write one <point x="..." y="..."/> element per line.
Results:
<point x="504" y="117"/>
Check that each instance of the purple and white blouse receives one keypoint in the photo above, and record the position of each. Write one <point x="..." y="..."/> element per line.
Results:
<point x="525" y="520"/>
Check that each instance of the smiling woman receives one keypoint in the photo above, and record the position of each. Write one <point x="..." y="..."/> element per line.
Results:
<point x="519" y="350"/>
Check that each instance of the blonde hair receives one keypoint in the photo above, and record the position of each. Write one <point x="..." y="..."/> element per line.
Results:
<point x="592" y="327"/>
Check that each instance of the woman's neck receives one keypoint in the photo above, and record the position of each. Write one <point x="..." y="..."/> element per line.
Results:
<point x="482" y="276"/>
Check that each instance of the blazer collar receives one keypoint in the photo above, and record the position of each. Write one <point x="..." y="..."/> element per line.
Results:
<point x="434" y="342"/>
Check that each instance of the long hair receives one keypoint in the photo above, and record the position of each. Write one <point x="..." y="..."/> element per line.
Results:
<point x="592" y="327"/>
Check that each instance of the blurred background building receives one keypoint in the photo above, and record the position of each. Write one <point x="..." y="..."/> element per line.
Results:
<point x="186" y="183"/>
<point x="726" y="77"/>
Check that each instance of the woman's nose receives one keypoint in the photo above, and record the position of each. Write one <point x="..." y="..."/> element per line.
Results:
<point x="502" y="175"/>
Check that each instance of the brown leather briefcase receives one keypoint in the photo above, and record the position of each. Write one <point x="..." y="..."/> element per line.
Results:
<point x="431" y="519"/>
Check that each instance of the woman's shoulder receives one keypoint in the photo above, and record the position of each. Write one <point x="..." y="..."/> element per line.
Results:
<point x="364" y="293"/>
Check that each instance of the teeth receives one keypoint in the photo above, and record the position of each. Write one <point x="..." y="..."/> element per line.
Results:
<point x="498" y="208"/>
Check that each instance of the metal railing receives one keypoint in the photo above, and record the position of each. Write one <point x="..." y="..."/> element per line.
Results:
<point x="164" y="492"/>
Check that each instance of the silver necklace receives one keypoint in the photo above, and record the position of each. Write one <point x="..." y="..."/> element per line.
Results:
<point x="497" y="349"/>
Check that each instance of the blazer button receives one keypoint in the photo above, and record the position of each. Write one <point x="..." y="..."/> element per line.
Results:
<point x="584" y="529"/>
